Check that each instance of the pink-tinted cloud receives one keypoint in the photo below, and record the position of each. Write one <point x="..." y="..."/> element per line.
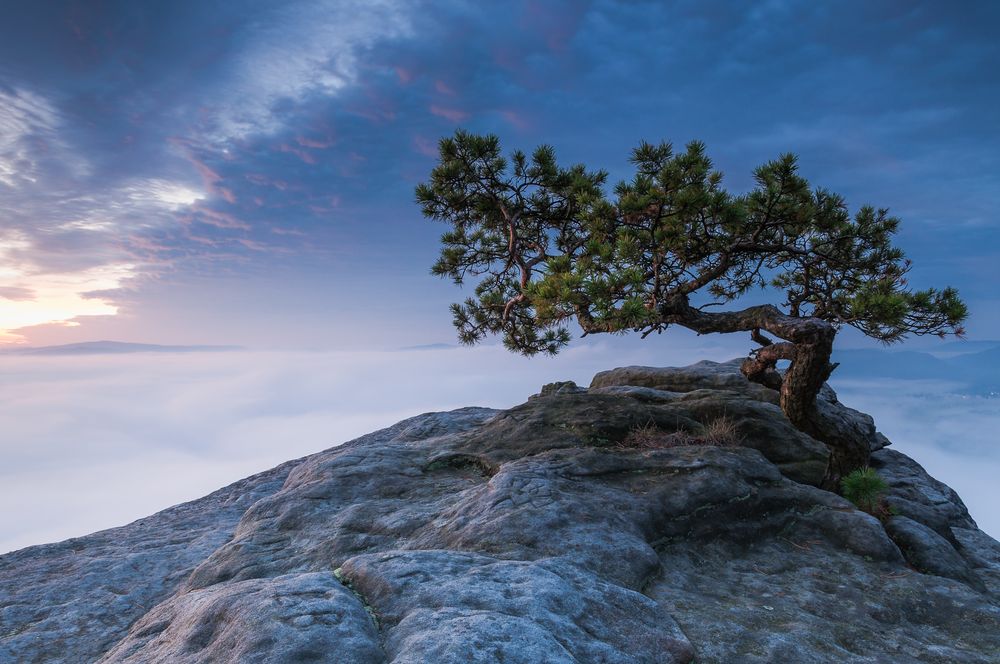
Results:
<point x="114" y="294"/>
<point x="287" y="231"/>
<point x="210" y="177"/>
<point x="201" y="239"/>
<point x="262" y="180"/>
<point x="17" y="293"/>
<point x="405" y="75"/>
<point x="219" y="219"/>
<point x="453" y="114"/>
<point x="306" y="142"/>
<point x="443" y="88"/>
<point x="375" y="104"/>
<point x="425" y="146"/>
<point x="516" y="119"/>
<point x="147" y="248"/>
<point x="555" y="22"/>
<point x="298" y="152"/>
<point x="254" y="245"/>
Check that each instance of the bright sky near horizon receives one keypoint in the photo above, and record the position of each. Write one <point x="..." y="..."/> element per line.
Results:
<point x="242" y="172"/>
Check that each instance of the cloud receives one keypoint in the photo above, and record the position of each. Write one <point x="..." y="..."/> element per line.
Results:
<point x="29" y="138"/>
<point x="17" y="293"/>
<point x="452" y="114"/>
<point x="156" y="190"/>
<point x="62" y="247"/>
<point x="70" y="242"/>
<point x="951" y="435"/>
<point x="294" y="52"/>
<point x="161" y="193"/>
<point x="61" y="298"/>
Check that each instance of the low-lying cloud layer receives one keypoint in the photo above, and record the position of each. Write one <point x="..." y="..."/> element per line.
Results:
<point x="952" y="435"/>
<point x="93" y="442"/>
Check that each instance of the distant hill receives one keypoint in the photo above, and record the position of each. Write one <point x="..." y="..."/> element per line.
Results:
<point x="978" y="371"/>
<point x="438" y="346"/>
<point x="112" y="348"/>
<point x="962" y="347"/>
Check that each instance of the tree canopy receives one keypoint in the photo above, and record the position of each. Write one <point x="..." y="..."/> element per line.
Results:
<point x="548" y="244"/>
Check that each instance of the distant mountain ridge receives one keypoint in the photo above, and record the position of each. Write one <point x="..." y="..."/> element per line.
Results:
<point x="977" y="370"/>
<point x="973" y="364"/>
<point x="962" y="347"/>
<point x="112" y="348"/>
<point x="437" y="346"/>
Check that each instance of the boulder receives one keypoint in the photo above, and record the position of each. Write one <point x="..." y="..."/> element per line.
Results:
<point x="915" y="494"/>
<point x="718" y="376"/>
<point x="927" y="551"/>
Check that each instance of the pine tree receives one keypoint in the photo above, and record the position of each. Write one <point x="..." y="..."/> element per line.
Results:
<point x="549" y="245"/>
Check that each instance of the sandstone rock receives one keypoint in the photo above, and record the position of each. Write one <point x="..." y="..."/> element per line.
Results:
<point x="530" y="535"/>
<point x="840" y="422"/>
<point x="762" y="426"/>
<point x="710" y="390"/>
<point x="72" y="601"/>
<point x="287" y="619"/>
<point x="523" y="611"/>
<point x="982" y="552"/>
<point x="915" y="494"/>
<point x="927" y="551"/>
<point x="560" y="387"/>
<point x="835" y="419"/>
<point x="702" y="375"/>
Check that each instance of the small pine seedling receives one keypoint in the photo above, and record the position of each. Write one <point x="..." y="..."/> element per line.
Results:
<point x="864" y="488"/>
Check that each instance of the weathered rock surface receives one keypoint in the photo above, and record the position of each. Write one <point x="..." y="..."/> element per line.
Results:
<point x="534" y="534"/>
<point x="74" y="600"/>
<point x="928" y="552"/>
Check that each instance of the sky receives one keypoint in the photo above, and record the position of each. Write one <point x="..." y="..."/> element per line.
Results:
<point x="242" y="173"/>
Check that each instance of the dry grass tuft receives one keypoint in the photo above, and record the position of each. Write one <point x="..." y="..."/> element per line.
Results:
<point x="651" y="437"/>
<point x="720" y="432"/>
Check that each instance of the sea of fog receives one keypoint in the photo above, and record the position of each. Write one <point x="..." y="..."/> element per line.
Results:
<point x="95" y="441"/>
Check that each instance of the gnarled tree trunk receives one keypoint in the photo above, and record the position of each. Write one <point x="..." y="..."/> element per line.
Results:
<point x="807" y="345"/>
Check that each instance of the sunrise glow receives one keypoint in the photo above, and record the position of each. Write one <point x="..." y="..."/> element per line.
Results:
<point x="59" y="299"/>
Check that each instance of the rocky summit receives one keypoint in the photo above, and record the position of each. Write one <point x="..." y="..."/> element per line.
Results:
<point x="660" y="515"/>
